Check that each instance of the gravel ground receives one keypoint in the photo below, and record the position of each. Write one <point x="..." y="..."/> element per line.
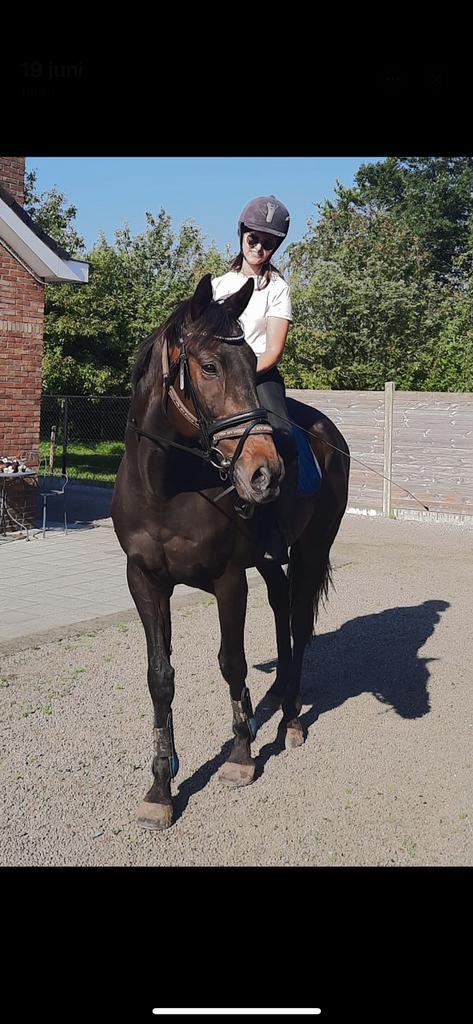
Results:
<point x="385" y="775"/>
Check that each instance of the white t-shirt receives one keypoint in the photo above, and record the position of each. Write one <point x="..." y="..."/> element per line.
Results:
<point x="274" y="300"/>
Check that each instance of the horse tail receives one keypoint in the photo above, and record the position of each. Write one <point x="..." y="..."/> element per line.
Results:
<point x="321" y="589"/>
<point x="310" y="580"/>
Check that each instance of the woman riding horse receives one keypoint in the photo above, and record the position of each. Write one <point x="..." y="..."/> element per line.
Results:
<point x="262" y="227"/>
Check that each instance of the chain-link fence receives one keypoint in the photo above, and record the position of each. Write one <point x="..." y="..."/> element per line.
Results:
<point x="84" y="435"/>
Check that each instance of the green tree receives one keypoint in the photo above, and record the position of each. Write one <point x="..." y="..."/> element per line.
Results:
<point x="134" y="285"/>
<point x="366" y="304"/>
<point x="92" y="331"/>
<point x="433" y="196"/>
<point x="50" y="212"/>
<point x="381" y="281"/>
<point x="450" y="363"/>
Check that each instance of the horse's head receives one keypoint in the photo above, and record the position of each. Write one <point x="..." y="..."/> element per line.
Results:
<point x="213" y="373"/>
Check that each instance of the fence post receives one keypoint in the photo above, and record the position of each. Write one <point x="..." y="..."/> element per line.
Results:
<point x="64" y="445"/>
<point x="52" y="450"/>
<point x="388" y="445"/>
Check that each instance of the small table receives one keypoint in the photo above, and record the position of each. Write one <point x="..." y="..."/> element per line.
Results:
<point x="5" y="509"/>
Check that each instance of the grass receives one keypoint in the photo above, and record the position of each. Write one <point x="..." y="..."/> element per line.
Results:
<point x="95" y="462"/>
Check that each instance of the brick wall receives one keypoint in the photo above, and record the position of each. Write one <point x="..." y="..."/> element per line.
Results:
<point x="21" y="349"/>
<point x="12" y="175"/>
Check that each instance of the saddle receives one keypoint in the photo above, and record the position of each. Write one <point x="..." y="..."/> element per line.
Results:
<point x="309" y="472"/>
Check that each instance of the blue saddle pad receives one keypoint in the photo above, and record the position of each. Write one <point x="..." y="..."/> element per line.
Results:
<point x="309" y="472"/>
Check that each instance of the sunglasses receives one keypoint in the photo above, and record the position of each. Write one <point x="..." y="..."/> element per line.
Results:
<point x="268" y="243"/>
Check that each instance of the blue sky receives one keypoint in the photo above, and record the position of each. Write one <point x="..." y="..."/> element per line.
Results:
<point x="111" y="191"/>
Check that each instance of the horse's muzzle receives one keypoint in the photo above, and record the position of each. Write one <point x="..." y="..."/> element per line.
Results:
<point x="264" y="483"/>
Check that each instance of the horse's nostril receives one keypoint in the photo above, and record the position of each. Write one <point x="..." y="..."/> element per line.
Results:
<point x="261" y="478"/>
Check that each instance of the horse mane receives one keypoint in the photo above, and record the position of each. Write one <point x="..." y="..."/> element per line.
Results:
<point x="214" y="320"/>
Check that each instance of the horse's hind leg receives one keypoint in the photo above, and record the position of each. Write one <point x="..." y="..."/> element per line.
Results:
<point x="309" y="579"/>
<point x="231" y="592"/>
<point x="155" y="811"/>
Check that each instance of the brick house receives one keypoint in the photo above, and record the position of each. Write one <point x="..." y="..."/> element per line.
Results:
<point x="29" y="259"/>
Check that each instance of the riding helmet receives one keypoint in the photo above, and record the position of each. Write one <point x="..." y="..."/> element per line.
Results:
<point x="266" y="213"/>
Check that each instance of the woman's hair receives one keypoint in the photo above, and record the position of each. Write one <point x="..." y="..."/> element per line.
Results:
<point x="267" y="267"/>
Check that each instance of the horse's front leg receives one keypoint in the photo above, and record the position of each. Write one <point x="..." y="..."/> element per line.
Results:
<point x="277" y="585"/>
<point x="231" y="592"/>
<point x="155" y="811"/>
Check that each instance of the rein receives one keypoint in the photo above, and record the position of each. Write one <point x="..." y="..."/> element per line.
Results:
<point x="254" y="421"/>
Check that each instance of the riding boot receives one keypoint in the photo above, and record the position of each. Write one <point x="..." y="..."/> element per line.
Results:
<point x="281" y="517"/>
<point x="275" y="544"/>
<point x="285" y="505"/>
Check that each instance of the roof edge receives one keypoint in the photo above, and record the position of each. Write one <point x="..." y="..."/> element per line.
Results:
<point x="47" y="259"/>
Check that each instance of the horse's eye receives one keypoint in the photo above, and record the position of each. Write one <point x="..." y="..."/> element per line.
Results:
<point x="209" y="368"/>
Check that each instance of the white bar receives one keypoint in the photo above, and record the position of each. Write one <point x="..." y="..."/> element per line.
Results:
<point x="259" y="1011"/>
<point x="389" y="388"/>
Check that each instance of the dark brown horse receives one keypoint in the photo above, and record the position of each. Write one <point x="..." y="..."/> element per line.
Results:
<point x="195" y="429"/>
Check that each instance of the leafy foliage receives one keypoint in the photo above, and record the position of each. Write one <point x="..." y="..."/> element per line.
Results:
<point x="381" y="282"/>
<point x="92" y="331"/>
<point x="381" y="285"/>
<point x="432" y="195"/>
<point x="50" y="213"/>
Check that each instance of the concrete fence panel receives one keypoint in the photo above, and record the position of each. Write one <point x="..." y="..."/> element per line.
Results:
<point x="432" y="447"/>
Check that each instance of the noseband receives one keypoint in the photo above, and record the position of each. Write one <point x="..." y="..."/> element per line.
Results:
<point x="240" y="426"/>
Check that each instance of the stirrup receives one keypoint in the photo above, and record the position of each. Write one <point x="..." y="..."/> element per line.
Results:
<point x="245" y="509"/>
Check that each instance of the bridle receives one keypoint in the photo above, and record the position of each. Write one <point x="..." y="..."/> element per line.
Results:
<point x="240" y="426"/>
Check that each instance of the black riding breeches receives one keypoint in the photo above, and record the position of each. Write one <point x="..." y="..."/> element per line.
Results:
<point x="272" y="395"/>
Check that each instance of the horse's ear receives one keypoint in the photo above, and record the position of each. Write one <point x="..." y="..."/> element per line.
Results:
<point x="202" y="297"/>
<point x="236" y="303"/>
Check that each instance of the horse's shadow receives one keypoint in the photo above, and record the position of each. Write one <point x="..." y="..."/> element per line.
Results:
<point x="375" y="654"/>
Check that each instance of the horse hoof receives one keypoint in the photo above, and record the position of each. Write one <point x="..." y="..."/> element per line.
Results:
<point x="154" y="816"/>
<point x="294" y="737"/>
<point x="233" y="774"/>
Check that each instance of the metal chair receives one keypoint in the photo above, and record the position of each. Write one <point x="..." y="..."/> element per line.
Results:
<point x="53" y="492"/>
<point x="31" y="458"/>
